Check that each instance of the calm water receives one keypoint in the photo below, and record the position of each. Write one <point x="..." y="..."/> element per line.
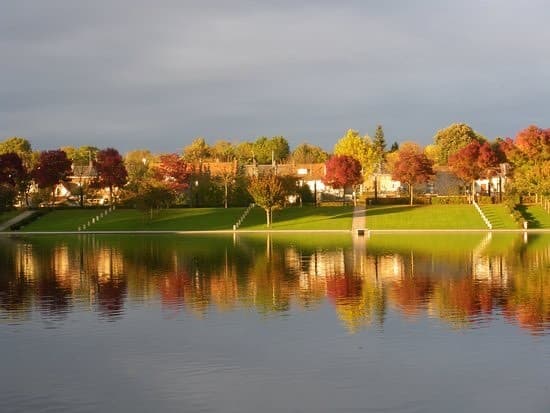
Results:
<point x="425" y="323"/>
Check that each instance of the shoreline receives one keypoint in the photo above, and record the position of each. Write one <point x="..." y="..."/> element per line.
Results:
<point x="367" y="231"/>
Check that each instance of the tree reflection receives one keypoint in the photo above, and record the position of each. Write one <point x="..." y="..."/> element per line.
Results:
<point x="463" y="287"/>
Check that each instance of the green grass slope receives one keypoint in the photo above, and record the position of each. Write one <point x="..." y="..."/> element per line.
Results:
<point x="424" y="217"/>
<point x="186" y="219"/>
<point x="301" y="218"/>
<point x="62" y="220"/>
<point x="537" y="216"/>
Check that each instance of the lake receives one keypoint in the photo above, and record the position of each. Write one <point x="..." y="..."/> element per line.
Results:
<point x="275" y="323"/>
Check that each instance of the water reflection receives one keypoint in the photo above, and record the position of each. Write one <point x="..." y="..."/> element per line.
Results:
<point x="464" y="280"/>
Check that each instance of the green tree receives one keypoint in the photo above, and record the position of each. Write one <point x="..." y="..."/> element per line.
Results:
<point x="306" y="153"/>
<point x="360" y="148"/>
<point x="244" y="152"/>
<point x="379" y="145"/>
<point x="197" y="151"/>
<point x="82" y="155"/>
<point x="139" y="165"/>
<point x="453" y="138"/>
<point x="15" y="144"/>
<point x="268" y="149"/>
<point x="268" y="191"/>
<point x="223" y="151"/>
<point x="154" y="196"/>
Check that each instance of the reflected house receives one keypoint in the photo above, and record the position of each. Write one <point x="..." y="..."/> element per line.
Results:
<point x="385" y="268"/>
<point x="111" y="282"/>
<point x="25" y="265"/>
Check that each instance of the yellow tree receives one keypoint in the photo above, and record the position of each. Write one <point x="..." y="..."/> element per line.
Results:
<point x="360" y="148"/>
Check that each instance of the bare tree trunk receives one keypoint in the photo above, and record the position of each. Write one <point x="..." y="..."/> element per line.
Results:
<point x="411" y="193"/>
<point x="268" y="216"/>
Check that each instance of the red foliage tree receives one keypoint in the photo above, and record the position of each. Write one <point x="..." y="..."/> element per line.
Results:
<point x="174" y="172"/>
<point x="474" y="161"/>
<point x="11" y="169"/>
<point x="412" y="167"/>
<point x="342" y="171"/>
<point x="111" y="170"/>
<point x="13" y="177"/>
<point x="52" y="167"/>
<point x="534" y="142"/>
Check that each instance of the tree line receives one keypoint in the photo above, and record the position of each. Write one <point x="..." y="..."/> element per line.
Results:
<point x="150" y="181"/>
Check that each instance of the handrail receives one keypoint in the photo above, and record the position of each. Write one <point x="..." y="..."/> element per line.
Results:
<point x="96" y="219"/>
<point x="485" y="219"/>
<point x="243" y="216"/>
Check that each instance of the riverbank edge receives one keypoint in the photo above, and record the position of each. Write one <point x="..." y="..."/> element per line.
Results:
<point x="278" y="231"/>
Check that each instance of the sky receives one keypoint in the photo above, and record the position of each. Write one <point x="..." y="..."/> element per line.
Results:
<point x="136" y="74"/>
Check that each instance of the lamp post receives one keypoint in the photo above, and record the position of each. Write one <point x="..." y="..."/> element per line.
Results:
<point x="196" y="193"/>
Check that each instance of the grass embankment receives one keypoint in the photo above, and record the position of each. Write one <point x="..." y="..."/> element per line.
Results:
<point x="499" y="216"/>
<point x="186" y="219"/>
<point x="301" y="218"/>
<point x="62" y="220"/>
<point x="424" y="217"/>
<point x="536" y="216"/>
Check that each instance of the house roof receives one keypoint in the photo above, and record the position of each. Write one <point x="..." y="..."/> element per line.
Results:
<point x="84" y="171"/>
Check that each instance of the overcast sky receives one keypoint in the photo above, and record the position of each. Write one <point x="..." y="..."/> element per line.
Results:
<point x="142" y="74"/>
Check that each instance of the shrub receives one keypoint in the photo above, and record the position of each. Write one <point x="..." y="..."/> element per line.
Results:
<point x="449" y="200"/>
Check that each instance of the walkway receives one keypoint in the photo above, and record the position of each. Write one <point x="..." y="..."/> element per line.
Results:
<point x="6" y="225"/>
<point x="358" y="220"/>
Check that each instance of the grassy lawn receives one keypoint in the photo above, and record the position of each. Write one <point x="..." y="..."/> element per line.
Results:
<point x="424" y="217"/>
<point x="499" y="216"/>
<point x="185" y="219"/>
<point x="62" y="220"/>
<point x="130" y="219"/>
<point x="307" y="217"/>
<point x="6" y="216"/>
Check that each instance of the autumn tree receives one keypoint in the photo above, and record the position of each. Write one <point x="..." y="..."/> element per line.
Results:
<point x="174" y="172"/>
<point x="453" y="138"/>
<point x="412" y="167"/>
<point x="474" y="161"/>
<point x="306" y="153"/>
<point x="360" y="148"/>
<point x="52" y="168"/>
<point x="111" y="170"/>
<point x="342" y="171"/>
<point x="530" y="155"/>
<point x="268" y="191"/>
